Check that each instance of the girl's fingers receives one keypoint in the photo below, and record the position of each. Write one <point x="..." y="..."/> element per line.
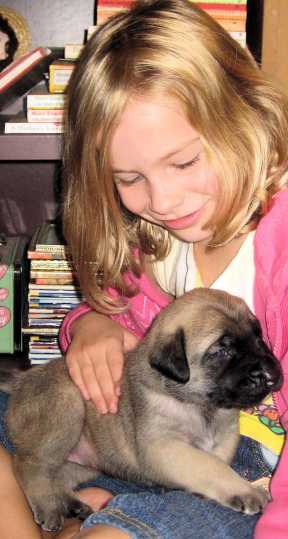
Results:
<point x="76" y="374"/>
<point x="130" y="341"/>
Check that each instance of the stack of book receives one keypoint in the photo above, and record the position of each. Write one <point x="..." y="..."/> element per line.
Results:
<point x="52" y="292"/>
<point x="29" y="73"/>
<point x="231" y="14"/>
<point x="24" y="73"/>
<point x="45" y="109"/>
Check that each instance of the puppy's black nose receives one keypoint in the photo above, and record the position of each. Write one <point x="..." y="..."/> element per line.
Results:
<point x="272" y="379"/>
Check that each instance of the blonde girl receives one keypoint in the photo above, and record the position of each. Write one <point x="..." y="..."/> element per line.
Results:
<point x="175" y="176"/>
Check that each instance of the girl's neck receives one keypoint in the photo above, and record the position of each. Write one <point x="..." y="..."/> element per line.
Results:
<point x="211" y="262"/>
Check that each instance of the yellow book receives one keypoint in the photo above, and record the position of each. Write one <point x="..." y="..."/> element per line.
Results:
<point x="60" y="72"/>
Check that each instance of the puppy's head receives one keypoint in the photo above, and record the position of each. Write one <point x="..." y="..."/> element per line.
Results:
<point x="208" y="348"/>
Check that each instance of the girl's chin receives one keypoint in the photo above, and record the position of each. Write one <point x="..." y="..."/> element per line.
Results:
<point x="192" y="236"/>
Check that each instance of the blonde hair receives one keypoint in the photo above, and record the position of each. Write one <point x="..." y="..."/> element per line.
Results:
<point x="172" y="47"/>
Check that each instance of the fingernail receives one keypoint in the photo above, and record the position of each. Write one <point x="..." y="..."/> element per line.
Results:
<point x="113" y="408"/>
<point x="103" y="410"/>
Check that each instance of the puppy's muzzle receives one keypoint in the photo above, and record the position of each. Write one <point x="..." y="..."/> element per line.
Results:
<point x="248" y="379"/>
<point x="261" y="378"/>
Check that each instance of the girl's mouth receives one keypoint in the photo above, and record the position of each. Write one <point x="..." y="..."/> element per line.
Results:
<point x="182" y="222"/>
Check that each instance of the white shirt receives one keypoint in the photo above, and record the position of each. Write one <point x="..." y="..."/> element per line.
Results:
<point x="178" y="272"/>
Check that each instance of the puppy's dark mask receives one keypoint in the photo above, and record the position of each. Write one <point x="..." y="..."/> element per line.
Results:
<point x="244" y="370"/>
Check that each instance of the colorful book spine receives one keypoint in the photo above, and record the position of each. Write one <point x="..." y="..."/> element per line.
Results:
<point x="231" y="14"/>
<point x="72" y="50"/>
<point x="42" y="101"/>
<point x="21" y="66"/>
<point x="45" y="115"/>
<point x="59" y="75"/>
<point x="11" y="127"/>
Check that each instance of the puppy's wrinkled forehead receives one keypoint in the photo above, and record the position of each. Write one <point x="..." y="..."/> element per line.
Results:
<point x="205" y="314"/>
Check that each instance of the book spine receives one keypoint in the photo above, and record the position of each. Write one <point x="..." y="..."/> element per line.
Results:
<point x="37" y="255"/>
<point x="30" y="127"/>
<point x="46" y="115"/>
<point x="54" y="280"/>
<point x="228" y="6"/>
<point x="18" y="68"/>
<point x="231" y="25"/>
<point x="72" y="50"/>
<point x="59" y="78"/>
<point x="231" y="2"/>
<point x="53" y="101"/>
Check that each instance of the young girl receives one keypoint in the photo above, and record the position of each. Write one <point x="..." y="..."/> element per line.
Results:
<point x="176" y="167"/>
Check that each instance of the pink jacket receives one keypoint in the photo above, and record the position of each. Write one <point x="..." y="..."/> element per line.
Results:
<point x="271" y="306"/>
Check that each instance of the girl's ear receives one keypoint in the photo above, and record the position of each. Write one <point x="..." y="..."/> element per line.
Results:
<point x="170" y="358"/>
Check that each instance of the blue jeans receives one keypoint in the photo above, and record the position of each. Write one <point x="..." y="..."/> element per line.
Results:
<point x="158" y="513"/>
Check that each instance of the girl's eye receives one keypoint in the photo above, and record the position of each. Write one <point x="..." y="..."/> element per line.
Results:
<point x="187" y="164"/>
<point x="127" y="181"/>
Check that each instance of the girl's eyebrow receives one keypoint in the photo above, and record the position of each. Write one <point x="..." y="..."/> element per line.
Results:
<point x="167" y="156"/>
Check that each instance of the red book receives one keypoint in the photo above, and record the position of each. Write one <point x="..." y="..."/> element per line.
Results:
<point x="24" y="73"/>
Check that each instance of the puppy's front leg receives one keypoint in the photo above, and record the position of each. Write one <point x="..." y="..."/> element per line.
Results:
<point x="175" y="463"/>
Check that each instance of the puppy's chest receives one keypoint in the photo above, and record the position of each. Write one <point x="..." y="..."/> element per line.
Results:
<point x="201" y="432"/>
<point x="204" y="431"/>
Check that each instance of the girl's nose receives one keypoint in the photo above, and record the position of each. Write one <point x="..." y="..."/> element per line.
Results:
<point x="164" y="197"/>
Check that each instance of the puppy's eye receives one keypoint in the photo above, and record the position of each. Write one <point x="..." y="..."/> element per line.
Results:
<point x="221" y="350"/>
<point x="220" y="354"/>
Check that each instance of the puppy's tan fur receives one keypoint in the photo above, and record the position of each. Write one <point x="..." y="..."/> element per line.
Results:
<point x="177" y="423"/>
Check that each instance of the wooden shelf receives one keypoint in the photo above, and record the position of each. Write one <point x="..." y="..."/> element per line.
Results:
<point x="34" y="147"/>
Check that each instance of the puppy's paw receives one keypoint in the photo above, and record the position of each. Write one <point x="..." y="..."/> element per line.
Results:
<point x="77" y="508"/>
<point x="51" y="521"/>
<point x="251" y="502"/>
<point x="50" y="516"/>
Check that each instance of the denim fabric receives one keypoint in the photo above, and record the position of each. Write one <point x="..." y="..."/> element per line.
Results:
<point x="158" y="513"/>
<point x="174" y="514"/>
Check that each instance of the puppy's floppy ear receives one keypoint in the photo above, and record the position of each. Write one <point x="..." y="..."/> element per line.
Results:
<point x="170" y="358"/>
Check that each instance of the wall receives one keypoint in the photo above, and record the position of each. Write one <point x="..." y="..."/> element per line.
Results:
<point x="55" y="22"/>
<point x="275" y="40"/>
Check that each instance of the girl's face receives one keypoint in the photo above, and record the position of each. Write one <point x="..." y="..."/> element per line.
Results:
<point x="160" y="169"/>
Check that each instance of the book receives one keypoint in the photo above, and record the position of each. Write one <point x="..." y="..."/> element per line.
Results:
<point x="234" y="2"/>
<point x="45" y="115"/>
<point x="24" y="73"/>
<point x="52" y="292"/>
<point x="57" y="281"/>
<point x="52" y="287"/>
<point x="72" y="50"/>
<point x="50" y="274"/>
<point x="39" y="97"/>
<point x="60" y="72"/>
<point x="90" y="30"/>
<point x="48" y="238"/>
<point x="19" y="124"/>
<point x="231" y="14"/>
<point x="51" y="264"/>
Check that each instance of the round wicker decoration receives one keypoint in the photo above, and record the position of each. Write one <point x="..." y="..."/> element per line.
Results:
<point x="20" y="27"/>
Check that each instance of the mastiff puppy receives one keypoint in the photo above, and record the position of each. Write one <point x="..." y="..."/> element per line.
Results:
<point x="183" y="386"/>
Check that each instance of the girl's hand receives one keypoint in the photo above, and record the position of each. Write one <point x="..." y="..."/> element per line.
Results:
<point x="95" y="359"/>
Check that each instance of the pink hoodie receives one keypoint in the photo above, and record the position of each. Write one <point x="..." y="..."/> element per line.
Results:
<point x="271" y="307"/>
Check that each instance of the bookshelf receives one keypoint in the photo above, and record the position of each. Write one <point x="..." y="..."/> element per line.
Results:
<point x="30" y="169"/>
<point x="30" y="147"/>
